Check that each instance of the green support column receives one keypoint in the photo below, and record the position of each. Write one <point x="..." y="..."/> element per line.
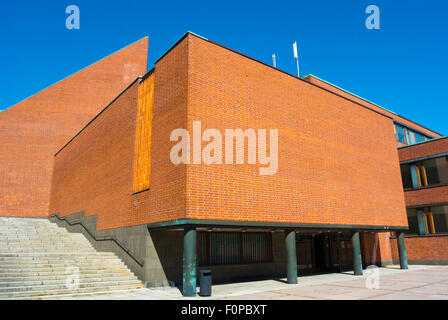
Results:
<point x="421" y="222"/>
<point x="402" y="251"/>
<point x="357" y="257"/>
<point x="189" y="263"/>
<point x="291" y="256"/>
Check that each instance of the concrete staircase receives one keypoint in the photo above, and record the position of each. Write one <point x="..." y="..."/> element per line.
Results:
<point x="39" y="260"/>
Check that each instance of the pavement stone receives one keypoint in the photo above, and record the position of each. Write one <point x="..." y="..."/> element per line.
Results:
<point x="417" y="283"/>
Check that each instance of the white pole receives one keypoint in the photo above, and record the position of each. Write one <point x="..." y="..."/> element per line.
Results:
<point x="296" y="56"/>
<point x="274" y="63"/>
<point x="298" y="70"/>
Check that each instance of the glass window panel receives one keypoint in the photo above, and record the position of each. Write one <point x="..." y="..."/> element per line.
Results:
<point x="412" y="220"/>
<point x="418" y="137"/>
<point x="411" y="139"/>
<point x="406" y="176"/>
<point x="400" y="133"/>
<point x="440" y="216"/>
<point x="436" y="170"/>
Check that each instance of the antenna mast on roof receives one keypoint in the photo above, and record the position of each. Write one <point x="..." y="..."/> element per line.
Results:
<point x="274" y="63"/>
<point x="296" y="56"/>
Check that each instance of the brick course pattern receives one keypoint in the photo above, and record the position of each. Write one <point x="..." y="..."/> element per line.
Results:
<point x="336" y="158"/>
<point x="94" y="173"/>
<point x="426" y="196"/>
<point x="423" y="149"/>
<point x="424" y="249"/>
<point x="32" y="131"/>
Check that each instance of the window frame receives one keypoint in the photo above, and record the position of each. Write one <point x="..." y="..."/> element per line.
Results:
<point x="241" y="261"/>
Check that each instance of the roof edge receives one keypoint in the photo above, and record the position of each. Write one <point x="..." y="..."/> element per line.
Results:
<point x="423" y="142"/>
<point x="269" y="66"/>
<point x="359" y="97"/>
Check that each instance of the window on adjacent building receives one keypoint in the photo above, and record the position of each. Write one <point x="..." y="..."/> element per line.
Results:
<point x="226" y="248"/>
<point x="440" y="217"/>
<point x="406" y="176"/>
<point x="409" y="136"/>
<point x="400" y="133"/>
<point x="427" y="173"/>
<point x="436" y="170"/>
<point x="419" y="137"/>
<point x="432" y="220"/>
<point x="413" y="221"/>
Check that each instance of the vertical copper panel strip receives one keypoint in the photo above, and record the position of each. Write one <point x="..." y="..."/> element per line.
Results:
<point x="142" y="165"/>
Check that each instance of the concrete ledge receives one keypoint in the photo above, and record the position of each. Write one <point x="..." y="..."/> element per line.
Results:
<point x="426" y="262"/>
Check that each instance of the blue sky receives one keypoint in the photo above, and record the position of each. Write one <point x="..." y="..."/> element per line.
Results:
<point x="402" y="66"/>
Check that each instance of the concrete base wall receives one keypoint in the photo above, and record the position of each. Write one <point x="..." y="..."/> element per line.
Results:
<point x="160" y="251"/>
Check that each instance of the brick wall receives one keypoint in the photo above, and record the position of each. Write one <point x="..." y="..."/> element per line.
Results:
<point x="94" y="173"/>
<point x="426" y="196"/>
<point x="338" y="162"/>
<point x="166" y="199"/>
<point x="32" y="131"/>
<point x="431" y="249"/>
<point x="335" y="157"/>
<point x="376" y="248"/>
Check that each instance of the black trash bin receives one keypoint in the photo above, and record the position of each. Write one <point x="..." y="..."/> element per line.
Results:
<point x="205" y="282"/>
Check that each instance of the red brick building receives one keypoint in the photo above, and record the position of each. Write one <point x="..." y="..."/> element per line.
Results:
<point x="34" y="129"/>
<point x="323" y="209"/>
<point x="424" y="168"/>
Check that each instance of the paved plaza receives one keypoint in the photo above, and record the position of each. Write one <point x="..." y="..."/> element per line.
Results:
<point x="389" y="283"/>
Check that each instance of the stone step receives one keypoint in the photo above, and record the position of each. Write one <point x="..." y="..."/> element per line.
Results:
<point x="60" y="246"/>
<point x="29" y="237"/>
<point x="40" y="233"/>
<point x="42" y="282"/>
<point x="60" y="266"/>
<point x="100" y="274"/>
<point x="44" y="245"/>
<point x="63" y="285"/>
<point x="39" y="238"/>
<point x="59" y="253"/>
<point x="79" y="295"/>
<point x="24" y="230"/>
<point x="51" y="251"/>
<point x="56" y="262"/>
<point x="11" y="292"/>
<point x="36" y="256"/>
<point x="56" y="255"/>
<point x="63" y="265"/>
<point x="39" y="242"/>
<point x="42" y="274"/>
<point x="43" y="253"/>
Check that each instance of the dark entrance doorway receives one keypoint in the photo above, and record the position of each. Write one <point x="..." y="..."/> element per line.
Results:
<point x="323" y="252"/>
